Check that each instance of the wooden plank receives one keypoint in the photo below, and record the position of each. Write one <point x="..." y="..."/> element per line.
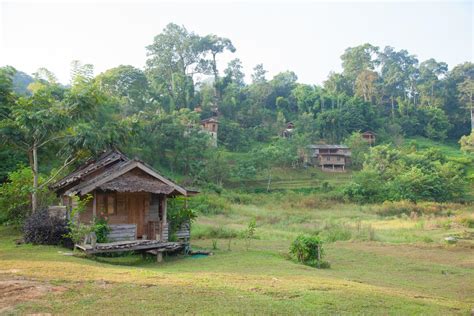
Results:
<point x="120" y="232"/>
<point x="121" y="226"/>
<point x="132" y="246"/>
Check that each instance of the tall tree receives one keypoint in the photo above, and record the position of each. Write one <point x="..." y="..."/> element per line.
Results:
<point x="466" y="94"/>
<point x="429" y="83"/>
<point x="337" y="84"/>
<point x="357" y="59"/>
<point x="453" y="105"/>
<point x="213" y="45"/>
<point x="128" y="86"/>
<point x="233" y="72"/>
<point x="258" y="75"/>
<point x="33" y="123"/>
<point x="172" y="61"/>
<point x="398" y="70"/>
<point x="366" y="85"/>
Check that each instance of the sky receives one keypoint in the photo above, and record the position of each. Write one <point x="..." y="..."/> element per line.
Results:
<point x="307" y="37"/>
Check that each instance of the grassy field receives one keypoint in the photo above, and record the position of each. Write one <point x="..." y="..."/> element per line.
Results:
<point x="379" y="265"/>
<point x="385" y="259"/>
<point x="292" y="179"/>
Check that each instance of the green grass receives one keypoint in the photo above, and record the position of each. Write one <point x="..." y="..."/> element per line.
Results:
<point x="292" y="179"/>
<point x="449" y="149"/>
<point x="397" y="272"/>
<point x="397" y="265"/>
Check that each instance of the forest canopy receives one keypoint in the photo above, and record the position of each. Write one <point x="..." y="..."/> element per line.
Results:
<point x="155" y="112"/>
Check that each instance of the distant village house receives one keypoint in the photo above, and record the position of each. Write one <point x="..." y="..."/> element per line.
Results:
<point x="369" y="137"/>
<point x="210" y="125"/>
<point x="333" y="158"/>
<point x="288" y="131"/>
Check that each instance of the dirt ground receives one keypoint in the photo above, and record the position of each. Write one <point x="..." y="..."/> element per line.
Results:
<point x="15" y="290"/>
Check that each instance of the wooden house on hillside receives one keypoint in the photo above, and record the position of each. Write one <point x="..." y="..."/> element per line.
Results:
<point x="288" y="131"/>
<point x="369" y="137"/>
<point x="128" y="191"/>
<point x="334" y="158"/>
<point x="210" y="125"/>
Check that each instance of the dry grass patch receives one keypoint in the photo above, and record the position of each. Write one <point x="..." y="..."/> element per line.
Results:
<point x="15" y="290"/>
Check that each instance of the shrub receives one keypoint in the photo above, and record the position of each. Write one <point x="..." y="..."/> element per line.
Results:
<point x="78" y="231"/>
<point x="308" y="250"/>
<point x="42" y="229"/>
<point x="178" y="214"/>
<point x="392" y="174"/>
<point x="101" y="229"/>
<point x="249" y="233"/>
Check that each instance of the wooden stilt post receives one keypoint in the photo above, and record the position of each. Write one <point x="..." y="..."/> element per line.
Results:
<point x="159" y="257"/>
<point x="165" y="219"/>
<point x="94" y="205"/>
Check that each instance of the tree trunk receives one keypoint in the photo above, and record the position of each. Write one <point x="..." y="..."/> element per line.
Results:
<point x="432" y="93"/>
<point x="269" y="181"/>
<point x="472" y="118"/>
<point x="217" y="96"/>
<point x="34" y="195"/>
<point x="393" y="108"/>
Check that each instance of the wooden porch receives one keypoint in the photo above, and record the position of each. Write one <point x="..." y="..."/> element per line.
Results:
<point x="123" y="237"/>
<point x="153" y="246"/>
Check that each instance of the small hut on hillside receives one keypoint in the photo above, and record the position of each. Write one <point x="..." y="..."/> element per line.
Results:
<point x="369" y="137"/>
<point x="288" y="131"/>
<point x="210" y="125"/>
<point x="128" y="191"/>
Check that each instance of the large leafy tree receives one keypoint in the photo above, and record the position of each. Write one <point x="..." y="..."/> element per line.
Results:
<point x="213" y="45"/>
<point x="233" y="73"/>
<point x="398" y="72"/>
<point x="430" y="84"/>
<point x="35" y="122"/>
<point x="366" y="85"/>
<point x="173" y="59"/>
<point x="258" y="75"/>
<point x="356" y="60"/>
<point x="128" y="86"/>
<point x="73" y="122"/>
<point x="10" y="156"/>
<point x="466" y="94"/>
<point x="454" y="105"/>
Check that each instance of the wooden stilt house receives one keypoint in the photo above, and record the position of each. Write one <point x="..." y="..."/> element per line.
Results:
<point x="131" y="194"/>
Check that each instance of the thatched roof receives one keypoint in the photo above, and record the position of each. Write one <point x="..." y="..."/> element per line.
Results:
<point x="134" y="183"/>
<point x="89" y="167"/>
<point x="115" y="172"/>
<point x="210" y="120"/>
